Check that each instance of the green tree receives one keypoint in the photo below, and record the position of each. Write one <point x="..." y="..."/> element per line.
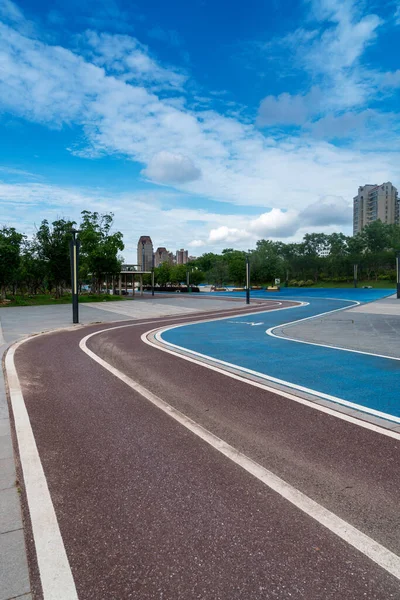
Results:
<point x="99" y="247"/>
<point x="10" y="246"/>
<point x="52" y="243"/>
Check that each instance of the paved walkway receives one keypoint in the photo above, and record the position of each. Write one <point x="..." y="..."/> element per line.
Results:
<point x="172" y="481"/>
<point x="16" y="323"/>
<point x="371" y="327"/>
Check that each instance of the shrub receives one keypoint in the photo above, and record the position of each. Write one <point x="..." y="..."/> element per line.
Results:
<point x="309" y="282"/>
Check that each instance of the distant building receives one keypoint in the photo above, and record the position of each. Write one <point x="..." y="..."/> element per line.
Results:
<point x="375" y="202"/>
<point x="145" y="250"/>
<point x="161" y="256"/>
<point x="181" y="257"/>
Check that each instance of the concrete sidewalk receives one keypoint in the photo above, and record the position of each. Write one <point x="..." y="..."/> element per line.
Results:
<point x="17" y="323"/>
<point x="371" y="327"/>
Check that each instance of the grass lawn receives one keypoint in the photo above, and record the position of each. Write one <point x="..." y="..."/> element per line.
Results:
<point x="41" y="299"/>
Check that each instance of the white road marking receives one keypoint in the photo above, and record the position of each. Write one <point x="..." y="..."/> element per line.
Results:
<point x="279" y="392"/>
<point x="55" y="572"/>
<point x="300" y="388"/>
<point x="271" y="330"/>
<point x="54" y="569"/>
<point x="356" y="538"/>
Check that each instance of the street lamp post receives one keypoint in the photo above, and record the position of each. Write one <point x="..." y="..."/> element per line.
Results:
<point x="398" y="273"/>
<point x="247" y="280"/>
<point x="355" y="275"/>
<point x="152" y="276"/>
<point x="189" y="289"/>
<point x="74" y="246"/>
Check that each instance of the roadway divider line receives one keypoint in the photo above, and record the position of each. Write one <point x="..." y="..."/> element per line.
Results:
<point x="386" y="559"/>
<point x="182" y="352"/>
<point x="54" y="569"/>
<point x="206" y="361"/>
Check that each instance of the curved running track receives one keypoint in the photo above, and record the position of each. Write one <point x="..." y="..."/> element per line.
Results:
<point x="366" y="382"/>
<point x="146" y="509"/>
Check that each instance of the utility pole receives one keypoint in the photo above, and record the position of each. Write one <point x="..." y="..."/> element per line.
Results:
<point x="152" y="276"/>
<point x="355" y="275"/>
<point x="247" y="280"/>
<point x="398" y="273"/>
<point x="74" y="246"/>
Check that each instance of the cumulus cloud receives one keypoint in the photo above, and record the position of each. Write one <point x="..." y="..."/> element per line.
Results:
<point x="196" y="244"/>
<point x="286" y="109"/>
<point x="227" y="234"/>
<point x="113" y="92"/>
<point x="283" y="224"/>
<point x="166" y="167"/>
<point x="331" y="210"/>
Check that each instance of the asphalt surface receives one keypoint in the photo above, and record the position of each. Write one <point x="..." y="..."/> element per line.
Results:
<point x="147" y="510"/>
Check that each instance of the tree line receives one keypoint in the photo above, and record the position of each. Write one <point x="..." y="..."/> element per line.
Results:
<point x="42" y="264"/>
<point x="318" y="257"/>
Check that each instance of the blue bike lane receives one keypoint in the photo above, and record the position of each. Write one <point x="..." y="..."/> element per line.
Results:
<point x="366" y="382"/>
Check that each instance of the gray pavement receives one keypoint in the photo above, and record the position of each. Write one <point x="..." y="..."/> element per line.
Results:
<point x="372" y="327"/>
<point x="17" y="323"/>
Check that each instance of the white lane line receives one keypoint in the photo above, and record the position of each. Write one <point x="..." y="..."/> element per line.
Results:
<point x="271" y="330"/>
<point x="356" y="538"/>
<point x="353" y="405"/>
<point x="54" y="569"/>
<point x="161" y="345"/>
<point x="55" y="572"/>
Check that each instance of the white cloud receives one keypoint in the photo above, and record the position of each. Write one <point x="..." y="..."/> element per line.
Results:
<point x="276" y="223"/>
<point x="332" y="59"/>
<point x="196" y="244"/>
<point x="331" y="210"/>
<point x="10" y="11"/>
<point x="166" y="167"/>
<point x="286" y="109"/>
<point x="227" y="234"/>
<point x="113" y="94"/>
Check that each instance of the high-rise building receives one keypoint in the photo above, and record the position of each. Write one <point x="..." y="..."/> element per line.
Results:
<point x="145" y="253"/>
<point x="375" y="202"/>
<point x="181" y="257"/>
<point x="161" y="256"/>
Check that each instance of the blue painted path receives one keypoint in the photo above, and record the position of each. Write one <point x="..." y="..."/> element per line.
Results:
<point x="368" y="381"/>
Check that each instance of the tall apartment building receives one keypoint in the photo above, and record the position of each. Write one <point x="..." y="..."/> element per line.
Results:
<point x="161" y="256"/>
<point x="181" y="256"/>
<point x="375" y="202"/>
<point x="145" y="251"/>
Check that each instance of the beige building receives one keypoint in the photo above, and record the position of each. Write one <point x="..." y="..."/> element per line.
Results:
<point x="375" y="202"/>
<point x="181" y="257"/>
<point x="145" y="253"/>
<point x="161" y="256"/>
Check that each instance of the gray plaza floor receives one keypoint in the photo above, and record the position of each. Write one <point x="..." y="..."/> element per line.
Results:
<point x="371" y="327"/>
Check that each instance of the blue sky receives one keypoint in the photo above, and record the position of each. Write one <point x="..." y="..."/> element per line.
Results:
<point x="203" y="124"/>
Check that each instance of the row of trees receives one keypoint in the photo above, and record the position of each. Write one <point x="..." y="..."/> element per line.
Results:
<point x="42" y="264"/>
<point x="318" y="257"/>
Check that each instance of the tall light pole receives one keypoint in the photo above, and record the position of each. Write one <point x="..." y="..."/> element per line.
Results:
<point x="247" y="280"/>
<point x="398" y="273"/>
<point x="74" y="246"/>
<point x="355" y="275"/>
<point x="152" y="275"/>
